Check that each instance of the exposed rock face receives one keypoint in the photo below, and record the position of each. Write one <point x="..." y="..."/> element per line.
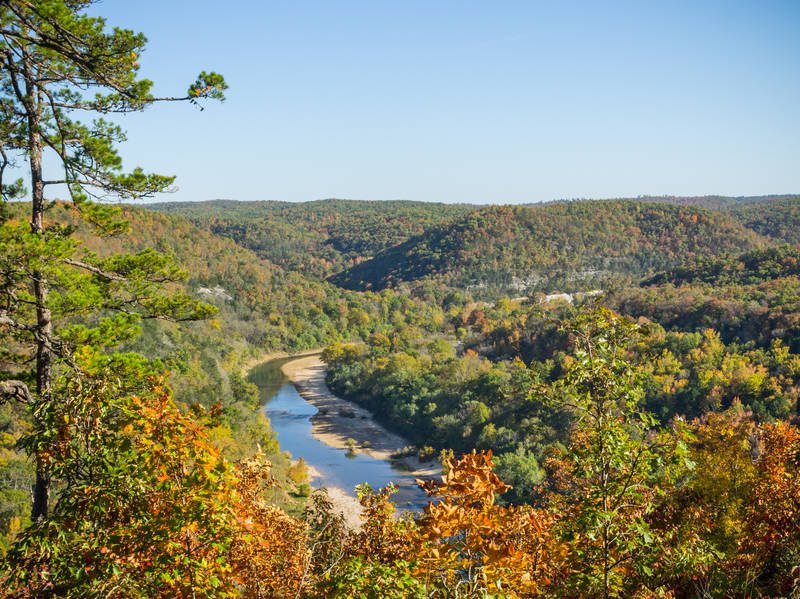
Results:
<point x="217" y="293"/>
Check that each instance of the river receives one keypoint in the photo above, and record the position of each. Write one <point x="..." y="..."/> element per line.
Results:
<point x="290" y="417"/>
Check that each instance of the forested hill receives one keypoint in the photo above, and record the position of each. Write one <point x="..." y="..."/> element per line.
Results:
<point x="714" y="202"/>
<point x="756" y="266"/>
<point x="553" y="246"/>
<point x="245" y="287"/>
<point x="564" y="246"/>
<point x="717" y="203"/>
<point x="321" y="237"/>
<point x="778" y="218"/>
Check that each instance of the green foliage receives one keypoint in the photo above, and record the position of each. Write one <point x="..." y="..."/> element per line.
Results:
<point x="62" y="62"/>
<point x="617" y="466"/>
<point x="521" y="470"/>
<point x="61" y="65"/>
<point x="456" y="402"/>
<point x="360" y="579"/>
<point x="747" y="315"/>
<point x="16" y="473"/>
<point x="756" y="266"/>
<point x="87" y="300"/>
<point x="478" y="401"/>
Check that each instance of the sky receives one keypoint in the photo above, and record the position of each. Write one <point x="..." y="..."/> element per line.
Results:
<point x="481" y="102"/>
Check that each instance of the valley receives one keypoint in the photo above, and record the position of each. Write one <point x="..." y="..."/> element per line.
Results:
<point x="383" y="343"/>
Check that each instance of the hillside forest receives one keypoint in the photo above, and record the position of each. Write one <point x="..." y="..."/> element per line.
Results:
<point x="611" y="387"/>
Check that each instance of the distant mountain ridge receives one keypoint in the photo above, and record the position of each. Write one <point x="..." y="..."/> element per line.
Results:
<point x="717" y="203"/>
<point x="566" y="246"/>
<point x="316" y="238"/>
<point x="495" y="250"/>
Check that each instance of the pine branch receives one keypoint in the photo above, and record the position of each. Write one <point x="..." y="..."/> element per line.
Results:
<point x="93" y="269"/>
<point x="6" y="320"/>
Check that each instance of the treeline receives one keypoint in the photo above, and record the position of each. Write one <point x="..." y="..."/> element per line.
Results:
<point x="558" y="246"/>
<point x="715" y="202"/>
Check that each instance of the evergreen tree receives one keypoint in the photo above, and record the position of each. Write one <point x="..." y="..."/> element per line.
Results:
<point x="59" y="65"/>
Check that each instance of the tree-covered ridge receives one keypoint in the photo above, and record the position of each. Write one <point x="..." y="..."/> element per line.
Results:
<point x="316" y="238"/>
<point x="565" y="246"/>
<point x="712" y="202"/>
<point x="751" y="299"/>
<point x="716" y="203"/>
<point x="756" y="266"/>
<point x="262" y="305"/>
<point x="778" y="218"/>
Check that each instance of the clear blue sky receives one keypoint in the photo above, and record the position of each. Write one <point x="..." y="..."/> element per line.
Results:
<point x="501" y="102"/>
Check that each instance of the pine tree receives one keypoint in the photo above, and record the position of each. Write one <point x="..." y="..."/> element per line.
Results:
<point x="57" y="66"/>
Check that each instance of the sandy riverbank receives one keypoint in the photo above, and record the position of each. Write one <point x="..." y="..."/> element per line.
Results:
<point x="339" y="420"/>
<point x="343" y="502"/>
<point x="329" y="425"/>
<point x="251" y="363"/>
<point x="334" y="429"/>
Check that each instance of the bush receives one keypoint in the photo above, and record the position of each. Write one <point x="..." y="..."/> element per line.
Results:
<point x="359" y="578"/>
<point x="427" y="453"/>
<point x="406" y="451"/>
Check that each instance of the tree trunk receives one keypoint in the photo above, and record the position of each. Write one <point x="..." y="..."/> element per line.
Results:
<point x="44" y="322"/>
